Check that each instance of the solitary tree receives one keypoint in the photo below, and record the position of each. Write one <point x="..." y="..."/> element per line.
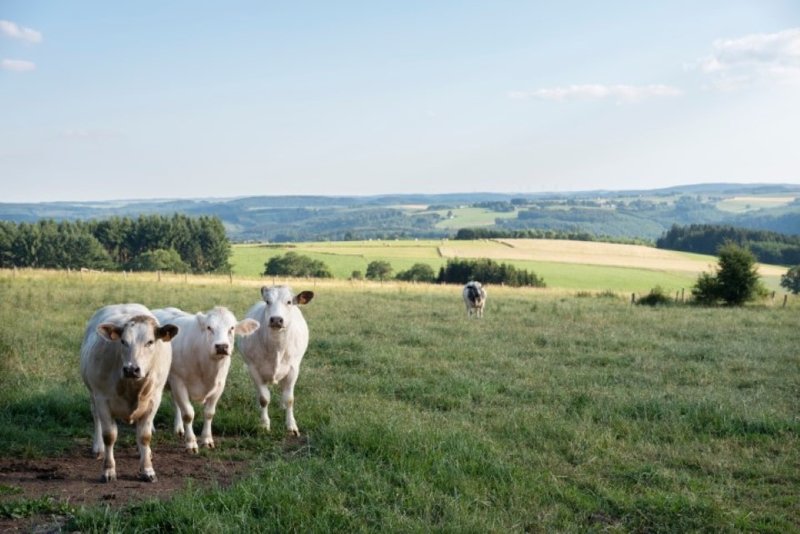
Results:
<point x="791" y="280"/>
<point x="379" y="270"/>
<point x="736" y="280"/>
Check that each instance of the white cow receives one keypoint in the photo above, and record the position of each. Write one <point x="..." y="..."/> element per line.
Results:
<point x="273" y="354"/>
<point x="125" y="361"/>
<point x="201" y="358"/>
<point x="474" y="298"/>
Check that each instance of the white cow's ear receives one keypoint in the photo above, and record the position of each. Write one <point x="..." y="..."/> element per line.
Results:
<point x="246" y="327"/>
<point x="201" y="319"/>
<point x="109" y="331"/>
<point x="304" y="297"/>
<point x="264" y="291"/>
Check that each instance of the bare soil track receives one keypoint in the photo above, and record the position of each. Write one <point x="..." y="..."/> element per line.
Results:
<point x="75" y="479"/>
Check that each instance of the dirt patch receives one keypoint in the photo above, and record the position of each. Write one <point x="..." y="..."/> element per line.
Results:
<point x="75" y="478"/>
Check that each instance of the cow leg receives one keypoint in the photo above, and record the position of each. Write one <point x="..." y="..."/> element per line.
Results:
<point x="143" y="438"/>
<point x="209" y="409"/>
<point x="262" y="390"/>
<point x="108" y="430"/>
<point x="287" y="401"/>
<point x="178" y="421"/>
<point x="180" y="396"/>
<point x="98" y="448"/>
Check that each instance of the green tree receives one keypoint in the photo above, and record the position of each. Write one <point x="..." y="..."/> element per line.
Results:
<point x="159" y="260"/>
<point x="736" y="280"/>
<point x="294" y="264"/>
<point x="791" y="280"/>
<point x="419" y="272"/>
<point x="379" y="270"/>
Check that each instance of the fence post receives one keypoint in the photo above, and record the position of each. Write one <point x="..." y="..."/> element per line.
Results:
<point x="159" y="275"/>
<point x="633" y="298"/>
<point x="230" y="277"/>
<point x="682" y="300"/>
<point x="785" y="298"/>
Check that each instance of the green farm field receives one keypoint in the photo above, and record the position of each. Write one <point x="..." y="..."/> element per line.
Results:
<point x="569" y="265"/>
<point x="556" y="412"/>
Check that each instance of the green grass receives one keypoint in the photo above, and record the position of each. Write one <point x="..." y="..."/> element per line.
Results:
<point x="552" y="414"/>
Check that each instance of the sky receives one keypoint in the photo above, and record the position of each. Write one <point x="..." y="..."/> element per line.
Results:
<point x="140" y="100"/>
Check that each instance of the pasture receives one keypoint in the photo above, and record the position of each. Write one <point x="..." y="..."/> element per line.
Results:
<point x="555" y="412"/>
<point x="570" y="265"/>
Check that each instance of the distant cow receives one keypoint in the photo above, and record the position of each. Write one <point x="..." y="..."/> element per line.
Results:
<point x="201" y="358"/>
<point x="125" y="361"/>
<point x="273" y="354"/>
<point x="474" y="298"/>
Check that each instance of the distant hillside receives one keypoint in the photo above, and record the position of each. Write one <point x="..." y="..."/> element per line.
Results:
<point x="639" y="214"/>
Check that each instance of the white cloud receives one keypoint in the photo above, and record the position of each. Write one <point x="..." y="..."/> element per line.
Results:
<point x="17" y="65"/>
<point x="9" y="29"/>
<point x="625" y="93"/>
<point x="754" y="58"/>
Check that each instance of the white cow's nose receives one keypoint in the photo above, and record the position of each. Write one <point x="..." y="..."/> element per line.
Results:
<point x="221" y="348"/>
<point x="132" y="371"/>
<point x="276" y="322"/>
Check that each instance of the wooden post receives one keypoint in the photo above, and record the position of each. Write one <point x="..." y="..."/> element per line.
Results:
<point x="785" y="298"/>
<point x="682" y="289"/>
<point x="633" y="298"/>
<point x="159" y="275"/>
<point x="230" y="277"/>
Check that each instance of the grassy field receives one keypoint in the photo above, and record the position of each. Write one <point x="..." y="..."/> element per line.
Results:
<point x="571" y="265"/>
<point x="555" y="413"/>
<point x="755" y="202"/>
<point x="472" y="217"/>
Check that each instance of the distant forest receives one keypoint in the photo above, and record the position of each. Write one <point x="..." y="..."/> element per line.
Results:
<point x="148" y="243"/>
<point x="768" y="247"/>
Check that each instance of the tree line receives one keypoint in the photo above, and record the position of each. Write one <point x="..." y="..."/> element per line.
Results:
<point x="766" y="246"/>
<point x="150" y="242"/>
<point x="456" y="271"/>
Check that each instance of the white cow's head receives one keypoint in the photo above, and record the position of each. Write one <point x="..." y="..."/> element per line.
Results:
<point x="219" y="327"/>
<point x="139" y="338"/>
<point x="280" y="302"/>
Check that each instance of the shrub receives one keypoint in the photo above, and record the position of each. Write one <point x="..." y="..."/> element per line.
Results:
<point x="791" y="280"/>
<point x="705" y="289"/>
<point x="356" y="275"/>
<point x="419" y="272"/>
<point x="656" y="297"/>
<point x="294" y="264"/>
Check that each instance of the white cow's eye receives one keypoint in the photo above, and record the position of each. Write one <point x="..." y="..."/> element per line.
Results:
<point x="209" y="329"/>
<point x="124" y="343"/>
<point x="288" y="302"/>
<point x="231" y="330"/>
<point x="149" y="343"/>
